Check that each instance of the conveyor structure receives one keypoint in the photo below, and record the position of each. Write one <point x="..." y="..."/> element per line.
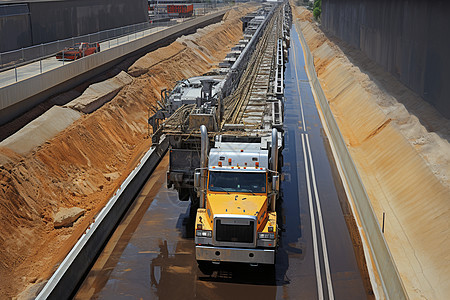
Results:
<point x="244" y="97"/>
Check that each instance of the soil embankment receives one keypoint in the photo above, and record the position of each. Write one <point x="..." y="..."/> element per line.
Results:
<point x="400" y="145"/>
<point x="85" y="162"/>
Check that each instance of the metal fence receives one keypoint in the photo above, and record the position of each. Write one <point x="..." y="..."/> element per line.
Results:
<point x="108" y="38"/>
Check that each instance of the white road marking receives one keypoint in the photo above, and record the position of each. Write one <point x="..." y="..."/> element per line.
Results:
<point x="313" y="225"/>
<point x="298" y="88"/>
<point x="322" y="231"/>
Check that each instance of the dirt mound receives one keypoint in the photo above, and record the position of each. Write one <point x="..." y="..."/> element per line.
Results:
<point x="41" y="129"/>
<point x="84" y="164"/>
<point x="99" y="93"/>
<point x="400" y="146"/>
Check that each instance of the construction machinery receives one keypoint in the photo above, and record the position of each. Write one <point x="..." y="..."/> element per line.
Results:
<point x="225" y="134"/>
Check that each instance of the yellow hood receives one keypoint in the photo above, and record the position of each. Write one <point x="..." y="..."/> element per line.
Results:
<point x="239" y="204"/>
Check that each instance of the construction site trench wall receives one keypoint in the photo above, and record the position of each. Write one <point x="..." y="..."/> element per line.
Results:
<point x="409" y="39"/>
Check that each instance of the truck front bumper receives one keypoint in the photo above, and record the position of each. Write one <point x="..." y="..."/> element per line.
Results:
<point x="242" y="255"/>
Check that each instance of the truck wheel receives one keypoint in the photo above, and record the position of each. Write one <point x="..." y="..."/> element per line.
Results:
<point x="205" y="267"/>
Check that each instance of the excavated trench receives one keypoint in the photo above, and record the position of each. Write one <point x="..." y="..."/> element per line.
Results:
<point x="77" y="155"/>
<point x="400" y="145"/>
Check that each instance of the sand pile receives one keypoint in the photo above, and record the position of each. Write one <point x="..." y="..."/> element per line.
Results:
<point x="98" y="94"/>
<point x="40" y="130"/>
<point x="400" y="146"/>
<point x="84" y="163"/>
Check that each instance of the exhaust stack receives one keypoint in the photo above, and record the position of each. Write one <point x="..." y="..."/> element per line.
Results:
<point x="203" y="163"/>
<point x="274" y="158"/>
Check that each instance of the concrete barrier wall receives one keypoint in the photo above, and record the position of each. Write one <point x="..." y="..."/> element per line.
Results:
<point x="48" y="21"/>
<point x="21" y="96"/>
<point x="390" y="278"/>
<point x="69" y="273"/>
<point x="57" y="20"/>
<point x="407" y="38"/>
<point x="15" y="27"/>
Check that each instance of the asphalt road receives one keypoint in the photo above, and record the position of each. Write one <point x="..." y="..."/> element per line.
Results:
<point x="151" y="254"/>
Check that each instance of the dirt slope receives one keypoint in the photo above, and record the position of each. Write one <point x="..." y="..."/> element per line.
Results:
<point x="84" y="164"/>
<point x="400" y="145"/>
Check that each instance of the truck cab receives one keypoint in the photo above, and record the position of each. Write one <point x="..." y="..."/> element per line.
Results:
<point x="237" y="221"/>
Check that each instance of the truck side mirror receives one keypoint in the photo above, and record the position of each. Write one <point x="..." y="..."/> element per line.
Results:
<point x="197" y="177"/>
<point x="276" y="184"/>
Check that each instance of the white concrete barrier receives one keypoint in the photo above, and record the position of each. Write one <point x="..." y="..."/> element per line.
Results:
<point x="69" y="273"/>
<point x="390" y="279"/>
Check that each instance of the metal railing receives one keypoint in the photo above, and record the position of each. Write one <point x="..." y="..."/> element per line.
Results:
<point x="108" y="38"/>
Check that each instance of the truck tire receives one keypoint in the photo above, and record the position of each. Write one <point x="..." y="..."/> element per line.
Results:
<point x="206" y="267"/>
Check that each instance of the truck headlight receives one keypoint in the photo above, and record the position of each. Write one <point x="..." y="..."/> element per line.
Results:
<point x="203" y="233"/>
<point x="266" y="235"/>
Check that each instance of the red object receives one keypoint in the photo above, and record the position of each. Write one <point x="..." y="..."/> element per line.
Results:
<point x="181" y="10"/>
<point x="79" y="50"/>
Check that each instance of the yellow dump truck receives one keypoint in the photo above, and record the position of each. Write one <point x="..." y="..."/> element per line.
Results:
<point x="238" y="185"/>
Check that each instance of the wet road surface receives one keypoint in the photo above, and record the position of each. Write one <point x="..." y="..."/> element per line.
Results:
<point x="151" y="255"/>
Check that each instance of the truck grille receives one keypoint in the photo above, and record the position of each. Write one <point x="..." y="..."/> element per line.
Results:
<point x="235" y="233"/>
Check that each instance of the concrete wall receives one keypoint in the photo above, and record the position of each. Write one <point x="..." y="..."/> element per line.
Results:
<point x="408" y="38"/>
<point x="15" y="27"/>
<point x="56" y="20"/>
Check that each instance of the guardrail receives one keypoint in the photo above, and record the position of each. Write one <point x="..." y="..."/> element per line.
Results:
<point x="390" y="278"/>
<point x="73" y="268"/>
<point x="32" y="61"/>
<point x="16" y="58"/>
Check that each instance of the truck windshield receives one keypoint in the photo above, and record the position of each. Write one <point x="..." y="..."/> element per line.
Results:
<point x="237" y="182"/>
